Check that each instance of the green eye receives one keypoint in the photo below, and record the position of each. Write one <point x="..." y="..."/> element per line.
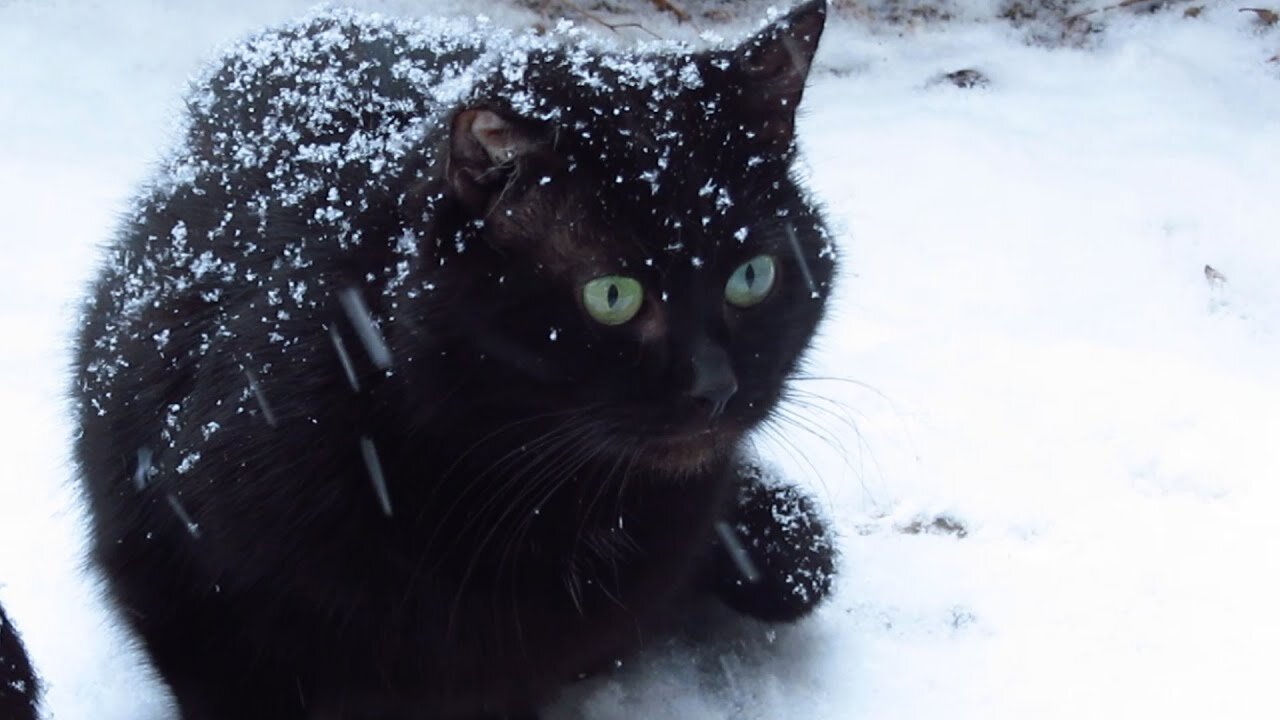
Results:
<point x="612" y="299"/>
<point x="751" y="282"/>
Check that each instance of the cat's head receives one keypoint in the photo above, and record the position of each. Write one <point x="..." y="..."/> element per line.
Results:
<point x="636" y="248"/>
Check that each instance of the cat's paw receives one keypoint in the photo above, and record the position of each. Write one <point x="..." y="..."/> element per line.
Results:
<point x="776" y="556"/>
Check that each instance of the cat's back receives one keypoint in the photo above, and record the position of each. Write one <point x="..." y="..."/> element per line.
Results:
<point x="365" y="85"/>
<point x="290" y="149"/>
<point x="207" y="327"/>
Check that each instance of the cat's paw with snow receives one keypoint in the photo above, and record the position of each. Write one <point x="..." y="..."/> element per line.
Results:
<point x="776" y="554"/>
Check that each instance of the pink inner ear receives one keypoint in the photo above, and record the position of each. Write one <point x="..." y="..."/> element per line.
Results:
<point x="485" y="151"/>
<point x="500" y="139"/>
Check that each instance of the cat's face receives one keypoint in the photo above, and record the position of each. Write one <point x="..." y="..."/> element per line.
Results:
<point x="643" y="259"/>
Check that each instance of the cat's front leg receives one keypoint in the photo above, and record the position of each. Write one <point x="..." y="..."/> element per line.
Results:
<point x="775" y="555"/>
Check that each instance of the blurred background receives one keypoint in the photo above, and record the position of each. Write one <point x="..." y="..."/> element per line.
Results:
<point x="1043" y="413"/>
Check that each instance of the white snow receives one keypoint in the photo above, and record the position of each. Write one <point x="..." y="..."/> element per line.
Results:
<point x="1025" y="341"/>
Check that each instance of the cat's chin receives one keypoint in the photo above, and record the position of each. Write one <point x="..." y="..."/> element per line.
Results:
<point x="690" y="453"/>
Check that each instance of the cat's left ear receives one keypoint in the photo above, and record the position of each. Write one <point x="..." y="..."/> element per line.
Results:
<point x="775" y="65"/>
<point x="485" y="153"/>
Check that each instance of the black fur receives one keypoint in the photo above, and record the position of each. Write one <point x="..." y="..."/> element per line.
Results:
<point x="353" y="446"/>
<point x="789" y="547"/>
<point x="19" y="687"/>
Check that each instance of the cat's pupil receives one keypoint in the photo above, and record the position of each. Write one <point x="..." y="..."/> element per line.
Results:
<point x="613" y="295"/>
<point x="751" y="275"/>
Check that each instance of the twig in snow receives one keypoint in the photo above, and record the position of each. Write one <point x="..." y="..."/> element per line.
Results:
<point x="1107" y="8"/>
<point x="667" y="5"/>
<point x="605" y="23"/>
<point x="1263" y="16"/>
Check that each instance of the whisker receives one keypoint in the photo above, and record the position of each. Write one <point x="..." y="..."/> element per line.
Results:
<point x="633" y="456"/>
<point x="807" y="426"/>
<point x="801" y="423"/>
<point x="843" y="407"/>
<point x="519" y="449"/>
<point x="580" y="459"/>
<point x="815" y="429"/>
<point x="785" y="444"/>
<point x="553" y="443"/>
<point x="516" y="423"/>
<point x="599" y="494"/>
<point x="556" y="440"/>
<point x="515" y="504"/>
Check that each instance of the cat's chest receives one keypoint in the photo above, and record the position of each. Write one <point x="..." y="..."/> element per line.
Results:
<point x="599" y="550"/>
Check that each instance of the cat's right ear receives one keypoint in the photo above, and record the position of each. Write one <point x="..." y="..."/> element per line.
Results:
<point x="485" y="153"/>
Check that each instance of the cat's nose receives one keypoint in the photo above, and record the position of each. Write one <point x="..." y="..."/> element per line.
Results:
<point x="713" y="378"/>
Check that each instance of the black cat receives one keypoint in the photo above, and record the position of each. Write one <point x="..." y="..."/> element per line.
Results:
<point x="417" y="384"/>
<point x="19" y="688"/>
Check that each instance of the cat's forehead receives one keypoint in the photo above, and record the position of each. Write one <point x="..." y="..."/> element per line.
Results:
<point x="650" y="112"/>
<point x="672" y="234"/>
<point x="669" y="158"/>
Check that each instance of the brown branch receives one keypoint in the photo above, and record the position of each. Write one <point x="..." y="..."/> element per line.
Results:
<point x="669" y="6"/>
<point x="1108" y="8"/>
<point x="1264" y="16"/>
<point x="605" y="23"/>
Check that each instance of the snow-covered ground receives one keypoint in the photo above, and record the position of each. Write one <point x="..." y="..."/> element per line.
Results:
<point x="1052" y="444"/>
